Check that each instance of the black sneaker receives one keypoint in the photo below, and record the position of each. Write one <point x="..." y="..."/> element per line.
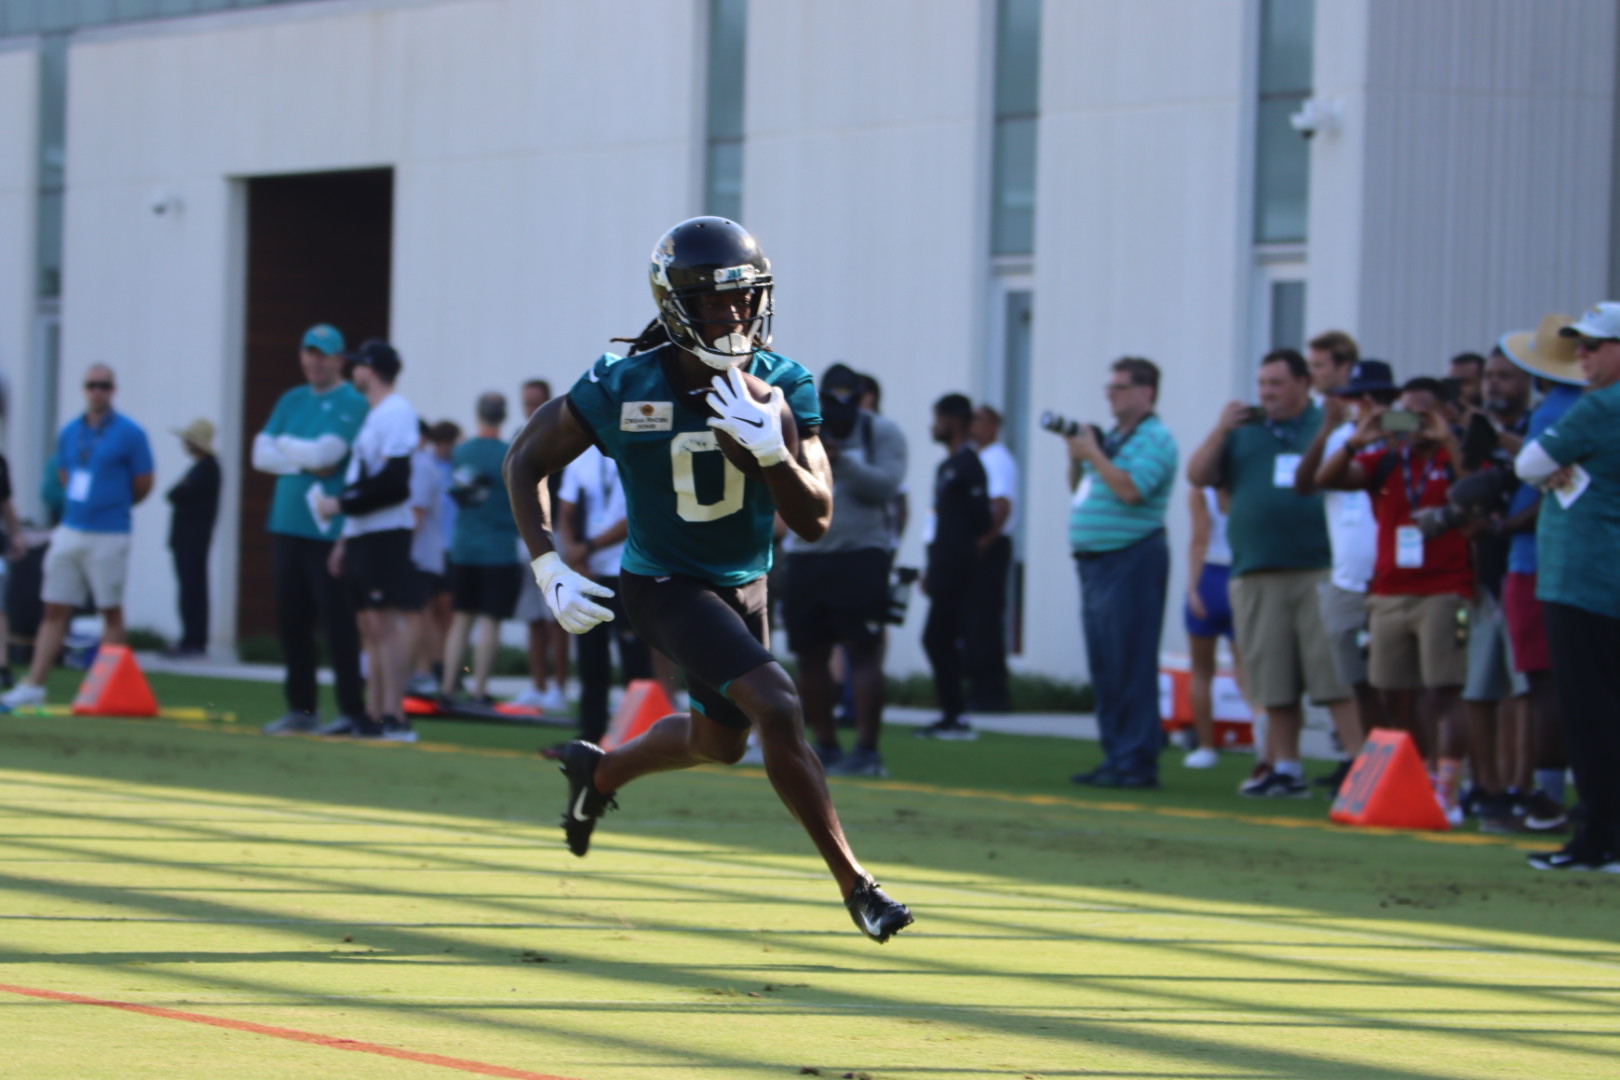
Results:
<point x="293" y="722"/>
<point x="359" y="727"/>
<point x="1334" y="779"/>
<point x="578" y="762"/>
<point x="950" y="727"/>
<point x="1276" y="785"/>
<point x="1543" y="813"/>
<point x="878" y="916"/>
<point x="1575" y="856"/>
<point x="1101" y="776"/>
<point x="393" y="729"/>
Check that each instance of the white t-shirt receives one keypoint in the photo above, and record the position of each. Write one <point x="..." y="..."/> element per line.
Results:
<point x="1352" y="529"/>
<point x="427" y="495"/>
<point x="1001" y="474"/>
<point x="1219" y="552"/>
<point x="591" y="481"/>
<point x="390" y="431"/>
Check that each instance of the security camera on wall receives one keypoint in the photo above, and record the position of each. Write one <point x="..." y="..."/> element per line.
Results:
<point x="164" y="202"/>
<point x="1315" y="115"/>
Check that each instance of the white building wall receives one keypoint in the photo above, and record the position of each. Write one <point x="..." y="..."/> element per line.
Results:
<point x="536" y="163"/>
<point x="1141" y="249"/>
<point x="861" y="180"/>
<point x="1470" y="191"/>
<point x="19" y="186"/>
<point x="539" y="150"/>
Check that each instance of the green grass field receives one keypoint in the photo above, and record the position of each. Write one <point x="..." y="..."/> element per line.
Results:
<point x="184" y="901"/>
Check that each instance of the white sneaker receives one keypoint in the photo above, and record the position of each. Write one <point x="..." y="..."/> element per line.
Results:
<point x="1202" y="758"/>
<point x="530" y="698"/>
<point x="23" y="694"/>
<point x="552" y="700"/>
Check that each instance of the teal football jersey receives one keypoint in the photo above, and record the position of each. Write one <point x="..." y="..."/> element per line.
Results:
<point x="690" y="511"/>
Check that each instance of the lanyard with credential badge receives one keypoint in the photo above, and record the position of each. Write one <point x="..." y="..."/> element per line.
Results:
<point x="87" y="451"/>
<point x="1414" y="492"/>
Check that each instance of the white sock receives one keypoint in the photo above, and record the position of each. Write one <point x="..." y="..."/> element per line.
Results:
<point x="1289" y="768"/>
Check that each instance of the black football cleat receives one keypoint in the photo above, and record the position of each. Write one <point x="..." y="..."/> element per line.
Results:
<point x="578" y="762"/>
<point x="878" y="916"/>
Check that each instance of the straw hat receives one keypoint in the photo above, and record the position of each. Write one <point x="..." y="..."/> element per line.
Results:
<point x="1543" y="352"/>
<point x="199" y="433"/>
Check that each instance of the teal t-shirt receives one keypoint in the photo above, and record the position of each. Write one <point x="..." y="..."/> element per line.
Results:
<point x="305" y="414"/>
<point x="1575" y="545"/>
<point x="486" y="534"/>
<point x="690" y="511"/>
<point x="1270" y="527"/>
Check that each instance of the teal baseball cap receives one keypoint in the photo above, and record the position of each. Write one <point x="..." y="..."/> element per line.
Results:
<point x="324" y="338"/>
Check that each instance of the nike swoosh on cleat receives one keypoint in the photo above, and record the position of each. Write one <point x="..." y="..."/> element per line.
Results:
<point x="875" y="929"/>
<point x="579" y="807"/>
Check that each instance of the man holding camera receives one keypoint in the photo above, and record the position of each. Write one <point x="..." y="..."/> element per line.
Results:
<point x="1121" y="484"/>
<point x="1281" y="556"/>
<point x="836" y="589"/>
<point x="1407" y="459"/>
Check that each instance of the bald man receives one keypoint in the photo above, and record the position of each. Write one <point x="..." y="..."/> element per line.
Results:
<point x="104" y="463"/>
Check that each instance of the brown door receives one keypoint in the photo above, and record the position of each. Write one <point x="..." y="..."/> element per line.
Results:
<point x="319" y="250"/>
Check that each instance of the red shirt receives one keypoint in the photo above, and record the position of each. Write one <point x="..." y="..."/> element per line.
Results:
<point x="1446" y="564"/>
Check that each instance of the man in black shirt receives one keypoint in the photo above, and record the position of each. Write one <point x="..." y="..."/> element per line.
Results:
<point x="961" y="517"/>
<point x="195" y="502"/>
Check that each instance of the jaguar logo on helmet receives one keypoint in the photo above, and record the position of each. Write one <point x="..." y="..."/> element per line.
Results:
<point x="704" y="256"/>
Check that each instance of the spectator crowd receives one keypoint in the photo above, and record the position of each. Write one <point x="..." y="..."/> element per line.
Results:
<point x="1429" y="555"/>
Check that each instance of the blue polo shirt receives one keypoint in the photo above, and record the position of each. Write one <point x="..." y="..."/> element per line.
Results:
<point x="99" y="466"/>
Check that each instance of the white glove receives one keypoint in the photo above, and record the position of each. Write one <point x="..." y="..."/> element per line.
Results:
<point x="757" y="426"/>
<point x="566" y="594"/>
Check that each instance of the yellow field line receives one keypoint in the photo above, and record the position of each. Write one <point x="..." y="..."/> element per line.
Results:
<point x="1467" y="839"/>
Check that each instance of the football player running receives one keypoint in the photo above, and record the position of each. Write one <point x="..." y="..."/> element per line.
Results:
<point x="693" y="571"/>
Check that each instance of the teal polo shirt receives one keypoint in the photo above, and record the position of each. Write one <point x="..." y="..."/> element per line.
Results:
<point x="305" y="414"/>
<point x="1099" y="520"/>
<point x="486" y="533"/>
<point x="1576" y="544"/>
<point x="1270" y="527"/>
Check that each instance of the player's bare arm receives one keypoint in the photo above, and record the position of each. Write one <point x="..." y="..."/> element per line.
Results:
<point x="545" y="445"/>
<point x="802" y="489"/>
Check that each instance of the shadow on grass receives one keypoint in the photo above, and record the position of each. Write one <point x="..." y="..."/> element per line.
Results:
<point x="1135" y="1000"/>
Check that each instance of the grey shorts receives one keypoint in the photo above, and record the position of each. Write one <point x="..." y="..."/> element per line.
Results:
<point x="1490" y="653"/>
<point x="1344" y="619"/>
<point x="531" y="605"/>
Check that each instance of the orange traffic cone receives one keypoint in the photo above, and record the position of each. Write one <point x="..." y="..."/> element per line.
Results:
<point x="1389" y="787"/>
<point x="114" y="686"/>
<point x="644" y="704"/>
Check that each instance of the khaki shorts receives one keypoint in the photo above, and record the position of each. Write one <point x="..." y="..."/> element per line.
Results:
<point x="1415" y="642"/>
<point x="83" y="565"/>
<point x="1280" y="636"/>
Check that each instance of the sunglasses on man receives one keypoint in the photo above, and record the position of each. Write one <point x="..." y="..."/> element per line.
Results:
<point x="98" y="384"/>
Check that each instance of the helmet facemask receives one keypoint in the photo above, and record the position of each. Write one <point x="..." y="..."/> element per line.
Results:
<point x="716" y="341"/>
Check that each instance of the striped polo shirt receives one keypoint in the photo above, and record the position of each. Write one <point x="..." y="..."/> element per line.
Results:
<point x="1098" y="520"/>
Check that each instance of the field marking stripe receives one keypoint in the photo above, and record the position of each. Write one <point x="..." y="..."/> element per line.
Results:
<point x="290" y="1034"/>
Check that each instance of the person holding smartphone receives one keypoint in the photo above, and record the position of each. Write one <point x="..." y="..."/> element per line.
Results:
<point x="1406" y="458"/>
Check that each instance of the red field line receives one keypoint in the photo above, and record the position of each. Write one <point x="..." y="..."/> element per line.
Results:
<point x="290" y="1034"/>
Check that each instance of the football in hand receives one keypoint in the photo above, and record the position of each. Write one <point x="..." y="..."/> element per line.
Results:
<point x="744" y="460"/>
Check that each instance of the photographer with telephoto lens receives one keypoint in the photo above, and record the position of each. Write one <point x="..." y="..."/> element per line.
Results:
<point x="1408" y="458"/>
